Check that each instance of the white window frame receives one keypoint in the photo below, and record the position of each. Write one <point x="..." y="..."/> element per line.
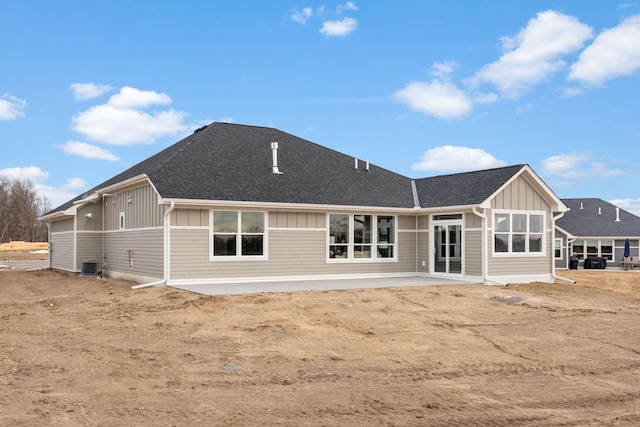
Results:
<point x="375" y="244"/>
<point x="121" y="221"/>
<point x="599" y="245"/>
<point x="526" y="253"/>
<point x="555" y="241"/>
<point x="238" y="234"/>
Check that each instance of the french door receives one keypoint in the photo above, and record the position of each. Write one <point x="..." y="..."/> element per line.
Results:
<point x="447" y="253"/>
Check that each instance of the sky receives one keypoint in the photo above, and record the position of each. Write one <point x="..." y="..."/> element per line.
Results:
<point x="422" y="88"/>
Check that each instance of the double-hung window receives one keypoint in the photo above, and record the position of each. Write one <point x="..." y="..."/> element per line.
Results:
<point x="362" y="237"/>
<point x="239" y="234"/>
<point x="518" y="233"/>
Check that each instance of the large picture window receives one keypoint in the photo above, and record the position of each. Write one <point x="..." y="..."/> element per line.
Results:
<point x="238" y="234"/>
<point x="518" y="233"/>
<point x="361" y="237"/>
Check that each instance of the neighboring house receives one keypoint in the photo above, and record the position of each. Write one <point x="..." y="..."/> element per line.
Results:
<point x="593" y="227"/>
<point x="234" y="203"/>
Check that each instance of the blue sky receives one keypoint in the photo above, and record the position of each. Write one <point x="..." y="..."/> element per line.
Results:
<point x="88" y="89"/>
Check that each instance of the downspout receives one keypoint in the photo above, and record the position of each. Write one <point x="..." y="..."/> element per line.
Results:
<point x="553" y="257"/>
<point x="485" y="266"/>
<point x="167" y="224"/>
<point x="50" y="243"/>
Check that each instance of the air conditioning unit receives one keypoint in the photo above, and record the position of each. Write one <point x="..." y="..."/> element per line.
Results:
<point x="90" y="269"/>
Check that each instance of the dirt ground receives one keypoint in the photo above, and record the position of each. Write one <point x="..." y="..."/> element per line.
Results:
<point x="92" y="352"/>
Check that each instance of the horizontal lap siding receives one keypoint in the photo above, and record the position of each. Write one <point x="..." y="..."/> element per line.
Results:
<point x="423" y="252"/>
<point x="62" y="251"/>
<point x="89" y="248"/>
<point x="291" y="252"/>
<point x="473" y="253"/>
<point x="521" y="265"/>
<point x="147" y="252"/>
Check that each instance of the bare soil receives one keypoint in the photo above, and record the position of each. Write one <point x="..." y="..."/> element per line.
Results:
<point x="92" y="352"/>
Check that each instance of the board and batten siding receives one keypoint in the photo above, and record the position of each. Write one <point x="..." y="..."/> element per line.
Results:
<point x="62" y="250"/>
<point x="61" y="226"/>
<point x="147" y="252"/>
<point x="140" y="207"/>
<point x="89" y="217"/>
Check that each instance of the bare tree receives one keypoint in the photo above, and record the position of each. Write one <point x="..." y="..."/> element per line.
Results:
<point x="19" y="211"/>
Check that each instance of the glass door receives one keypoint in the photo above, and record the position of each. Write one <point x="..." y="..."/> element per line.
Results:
<point x="447" y="254"/>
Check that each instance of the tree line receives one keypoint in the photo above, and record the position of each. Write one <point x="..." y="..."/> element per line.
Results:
<point x="20" y="208"/>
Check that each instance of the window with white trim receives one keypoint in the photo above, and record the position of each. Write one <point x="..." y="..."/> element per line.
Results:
<point x="518" y="232"/>
<point x="121" y="221"/>
<point x="361" y="237"/>
<point x="593" y="248"/>
<point x="557" y="248"/>
<point x="239" y="234"/>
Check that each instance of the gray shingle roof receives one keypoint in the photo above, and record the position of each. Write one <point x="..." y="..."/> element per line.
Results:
<point x="225" y="161"/>
<point x="461" y="189"/>
<point x="587" y="222"/>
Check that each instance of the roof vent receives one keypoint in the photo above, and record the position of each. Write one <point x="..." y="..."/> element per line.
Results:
<point x="581" y="207"/>
<point x="617" y="214"/>
<point x="274" y="151"/>
<point x="599" y="210"/>
<point x="356" y="162"/>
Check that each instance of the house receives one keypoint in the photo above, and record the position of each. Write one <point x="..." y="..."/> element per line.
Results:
<point x="234" y="203"/>
<point x="595" y="228"/>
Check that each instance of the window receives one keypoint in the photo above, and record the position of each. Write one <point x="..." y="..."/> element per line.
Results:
<point x="518" y="233"/>
<point x="595" y="248"/>
<point x="557" y="248"/>
<point x="361" y="237"/>
<point x="238" y="234"/>
<point x="121" y="221"/>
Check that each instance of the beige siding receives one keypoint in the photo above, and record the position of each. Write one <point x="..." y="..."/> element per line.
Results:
<point x="473" y="252"/>
<point x="89" y="248"/>
<point x="423" y="222"/>
<point x="190" y="217"/>
<point x="90" y="217"/>
<point x="62" y="251"/>
<point x="520" y="265"/>
<point x="406" y="222"/>
<point x="423" y="255"/>
<point x="281" y="219"/>
<point x="519" y="195"/>
<point x="60" y="226"/>
<point x="472" y="221"/>
<point x="142" y="212"/>
<point x="290" y="252"/>
<point x="147" y="251"/>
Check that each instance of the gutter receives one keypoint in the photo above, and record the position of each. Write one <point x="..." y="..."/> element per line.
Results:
<point x="167" y="223"/>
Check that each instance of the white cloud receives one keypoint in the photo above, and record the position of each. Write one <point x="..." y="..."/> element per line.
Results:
<point x="11" y="107"/>
<point x="122" y="121"/>
<point x="227" y="119"/>
<point x="629" y="205"/>
<point x="439" y="99"/>
<point x="301" y="16"/>
<point x="88" y="151"/>
<point x="577" y="165"/>
<point x="443" y="70"/>
<point x="456" y="159"/>
<point x="130" y="97"/>
<point x="55" y="195"/>
<point x="347" y="6"/>
<point x="570" y="92"/>
<point x="614" y="53"/>
<point x="534" y="53"/>
<point x="32" y="173"/>
<point x="339" y="28"/>
<point x="82" y="91"/>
